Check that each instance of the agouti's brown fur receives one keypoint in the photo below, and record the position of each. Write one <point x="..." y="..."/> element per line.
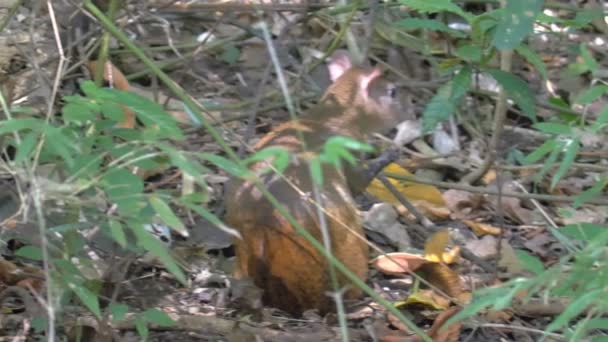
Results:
<point x="293" y="275"/>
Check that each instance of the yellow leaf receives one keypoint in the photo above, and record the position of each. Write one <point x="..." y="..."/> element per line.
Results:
<point x="425" y="298"/>
<point x="410" y="190"/>
<point x="481" y="229"/>
<point x="435" y="246"/>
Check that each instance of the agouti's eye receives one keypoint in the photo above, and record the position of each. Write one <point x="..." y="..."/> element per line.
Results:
<point x="391" y="91"/>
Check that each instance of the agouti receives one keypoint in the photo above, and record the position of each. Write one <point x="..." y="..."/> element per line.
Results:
<point x="293" y="275"/>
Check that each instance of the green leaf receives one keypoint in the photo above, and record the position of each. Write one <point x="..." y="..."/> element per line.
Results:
<point x="516" y="23"/>
<point x="77" y="112"/>
<point x="575" y="308"/>
<point x="529" y="262"/>
<point x="226" y="165"/>
<point x="553" y="128"/>
<point x="156" y="248"/>
<point x="583" y="231"/>
<point x="166" y="214"/>
<point x="16" y="125"/>
<point x="158" y="317"/>
<point x="534" y="59"/>
<point x="602" y="119"/>
<point x="125" y="189"/>
<point x="569" y="157"/>
<point x="112" y="111"/>
<point x="316" y="172"/>
<point x="28" y="142"/>
<point x="86" y="165"/>
<point x="587" y="57"/>
<point x="119" y="311"/>
<point x="427" y="24"/>
<point x="591" y="94"/>
<point x="142" y="328"/>
<point x="518" y="90"/>
<point x="278" y="155"/>
<point x="436" y="6"/>
<point x="177" y="158"/>
<point x="593" y="192"/>
<point x="230" y="54"/>
<point x="207" y="215"/>
<point x="461" y="84"/>
<point x="439" y="108"/>
<point x="551" y="159"/>
<point x="469" y="52"/>
<point x="30" y="252"/>
<point x="118" y="233"/>
<point x="90" y="89"/>
<point x="541" y="151"/>
<point x="88" y="298"/>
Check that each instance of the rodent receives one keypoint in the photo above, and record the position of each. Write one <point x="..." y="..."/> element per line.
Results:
<point x="293" y="275"/>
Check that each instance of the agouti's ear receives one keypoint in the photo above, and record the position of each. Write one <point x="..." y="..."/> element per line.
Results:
<point x="338" y="64"/>
<point x="366" y="79"/>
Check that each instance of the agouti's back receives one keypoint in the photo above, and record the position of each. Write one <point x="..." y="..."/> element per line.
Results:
<point x="293" y="275"/>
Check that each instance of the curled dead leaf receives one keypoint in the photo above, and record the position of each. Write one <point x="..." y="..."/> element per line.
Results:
<point x="481" y="229"/>
<point x="398" y="263"/>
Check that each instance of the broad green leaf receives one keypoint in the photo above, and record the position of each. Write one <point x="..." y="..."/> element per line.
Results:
<point x="156" y="248"/>
<point x="25" y="148"/>
<point x="588" y="59"/>
<point x="583" y="231"/>
<point x="541" y="151"/>
<point x="16" y="125"/>
<point x="77" y="112"/>
<point x="534" y="59"/>
<point x="553" y="128"/>
<point x="575" y="308"/>
<point x="86" y="165"/>
<point x="118" y="233"/>
<point x="90" y="89"/>
<point x="88" y="298"/>
<point x="518" y="90"/>
<point x="125" y="189"/>
<point x="166" y="214"/>
<point x="569" y="158"/>
<point x="439" y="108"/>
<point x="529" y="262"/>
<point x="516" y="23"/>
<point x="593" y="192"/>
<point x="461" y="84"/>
<point x="469" y="52"/>
<point x="591" y="94"/>
<point x="30" y="252"/>
<point x="112" y="111"/>
<point x="158" y="317"/>
<point x="119" y="311"/>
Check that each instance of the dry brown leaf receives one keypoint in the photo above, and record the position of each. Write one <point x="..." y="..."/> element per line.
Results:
<point x="412" y="191"/>
<point x="449" y="334"/>
<point x="481" y="229"/>
<point x="398" y="263"/>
